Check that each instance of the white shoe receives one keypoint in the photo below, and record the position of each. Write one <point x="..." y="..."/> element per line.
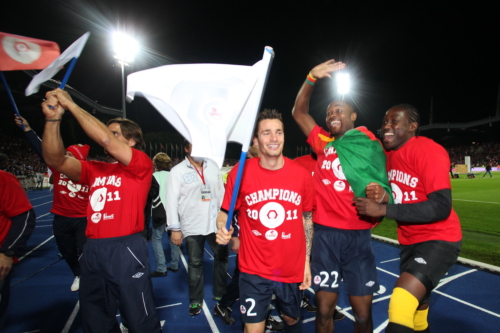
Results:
<point x="123" y="328"/>
<point x="76" y="284"/>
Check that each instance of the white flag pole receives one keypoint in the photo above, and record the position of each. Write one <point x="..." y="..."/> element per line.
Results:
<point x="269" y="54"/>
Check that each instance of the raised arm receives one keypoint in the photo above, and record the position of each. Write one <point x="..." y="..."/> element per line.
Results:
<point x="33" y="139"/>
<point x="300" y="111"/>
<point x="52" y="144"/>
<point x="93" y="127"/>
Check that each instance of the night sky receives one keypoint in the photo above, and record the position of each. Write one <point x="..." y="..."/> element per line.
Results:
<point x="405" y="52"/>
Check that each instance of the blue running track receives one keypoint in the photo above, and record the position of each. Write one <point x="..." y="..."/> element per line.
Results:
<point x="466" y="300"/>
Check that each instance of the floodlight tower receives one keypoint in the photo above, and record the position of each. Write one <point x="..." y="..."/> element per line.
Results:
<point x="125" y="48"/>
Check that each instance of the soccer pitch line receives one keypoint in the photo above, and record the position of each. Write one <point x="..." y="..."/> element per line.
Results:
<point x="495" y="203"/>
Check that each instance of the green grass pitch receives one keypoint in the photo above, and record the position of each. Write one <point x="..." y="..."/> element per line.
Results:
<point x="477" y="203"/>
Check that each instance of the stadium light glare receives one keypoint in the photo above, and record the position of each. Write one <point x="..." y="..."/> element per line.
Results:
<point x="125" y="48"/>
<point x="343" y="83"/>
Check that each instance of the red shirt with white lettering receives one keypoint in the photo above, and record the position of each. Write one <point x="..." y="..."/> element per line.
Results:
<point x="270" y="206"/>
<point x="415" y="170"/>
<point x="333" y="194"/>
<point x="70" y="199"/>
<point x="13" y="202"/>
<point x="118" y="195"/>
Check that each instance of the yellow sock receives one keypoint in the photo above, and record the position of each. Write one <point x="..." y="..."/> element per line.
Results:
<point x="402" y="307"/>
<point x="420" y="320"/>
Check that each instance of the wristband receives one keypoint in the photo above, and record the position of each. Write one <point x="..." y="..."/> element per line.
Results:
<point x="53" y="119"/>
<point x="312" y="77"/>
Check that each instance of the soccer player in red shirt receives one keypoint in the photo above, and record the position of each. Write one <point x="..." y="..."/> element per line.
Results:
<point x="428" y="227"/>
<point x="274" y="214"/>
<point x="115" y="260"/>
<point x="17" y="222"/>
<point x="348" y="159"/>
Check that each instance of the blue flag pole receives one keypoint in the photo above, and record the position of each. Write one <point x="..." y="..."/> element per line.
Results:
<point x="236" y="189"/>
<point x="68" y="73"/>
<point x="243" y="157"/>
<point x="11" y="97"/>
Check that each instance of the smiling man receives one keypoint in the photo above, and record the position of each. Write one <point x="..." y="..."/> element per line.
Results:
<point x="348" y="160"/>
<point x="428" y="227"/>
<point x="274" y="205"/>
<point x="115" y="260"/>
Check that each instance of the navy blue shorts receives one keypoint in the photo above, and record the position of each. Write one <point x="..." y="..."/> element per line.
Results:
<point x="256" y="293"/>
<point x="347" y="255"/>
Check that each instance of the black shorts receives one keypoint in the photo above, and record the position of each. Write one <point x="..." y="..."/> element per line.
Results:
<point x="429" y="261"/>
<point x="256" y="293"/>
<point x="343" y="254"/>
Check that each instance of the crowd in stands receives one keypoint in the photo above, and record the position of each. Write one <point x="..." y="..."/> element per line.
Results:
<point x="480" y="154"/>
<point x="24" y="162"/>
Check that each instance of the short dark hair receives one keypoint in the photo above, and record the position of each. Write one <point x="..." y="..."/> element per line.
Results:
<point x="346" y="99"/>
<point x="412" y="112"/>
<point x="267" y="114"/>
<point x="130" y="130"/>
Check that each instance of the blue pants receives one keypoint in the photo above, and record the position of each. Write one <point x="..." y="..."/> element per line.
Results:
<point x="156" y="241"/>
<point x="116" y="270"/>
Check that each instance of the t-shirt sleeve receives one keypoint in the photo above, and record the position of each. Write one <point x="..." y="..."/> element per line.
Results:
<point x="231" y="179"/>
<point x="313" y="138"/>
<point x="86" y="171"/>
<point x="434" y="165"/>
<point x="140" y="166"/>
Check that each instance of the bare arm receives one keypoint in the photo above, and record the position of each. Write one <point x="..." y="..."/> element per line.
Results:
<point x="52" y="144"/>
<point x="300" y="111"/>
<point x="309" y="232"/>
<point x="93" y="127"/>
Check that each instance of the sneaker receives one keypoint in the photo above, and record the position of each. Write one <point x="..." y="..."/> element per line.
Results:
<point x="307" y="306"/>
<point x="123" y="328"/>
<point x="76" y="284"/>
<point x="225" y="314"/>
<point x="158" y="274"/>
<point x="171" y="269"/>
<point x="273" y="325"/>
<point x="216" y="298"/>
<point x="194" y="309"/>
<point x="337" y="315"/>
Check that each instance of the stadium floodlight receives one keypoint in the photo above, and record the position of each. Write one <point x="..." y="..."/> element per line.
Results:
<point x="343" y="83"/>
<point x="125" y="48"/>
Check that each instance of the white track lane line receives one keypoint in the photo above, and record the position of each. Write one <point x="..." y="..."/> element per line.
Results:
<point x="43" y="204"/>
<point x="41" y="197"/>
<point x="467" y="303"/>
<point x="207" y="312"/>
<point x="390" y="273"/>
<point x="451" y="278"/>
<point x="71" y="318"/>
<point x="381" y="327"/>
<point x="27" y="254"/>
<point x="383" y="262"/>
<point x="42" y="215"/>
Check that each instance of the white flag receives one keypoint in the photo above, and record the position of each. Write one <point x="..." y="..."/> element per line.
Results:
<point x="73" y="51"/>
<point x="209" y="104"/>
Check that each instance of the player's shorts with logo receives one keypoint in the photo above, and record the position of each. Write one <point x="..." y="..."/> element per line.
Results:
<point x="256" y="294"/>
<point x="429" y="261"/>
<point x="347" y="255"/>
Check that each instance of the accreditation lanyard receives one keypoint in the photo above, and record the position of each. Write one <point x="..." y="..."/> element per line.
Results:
<point x="205" y="192"/>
